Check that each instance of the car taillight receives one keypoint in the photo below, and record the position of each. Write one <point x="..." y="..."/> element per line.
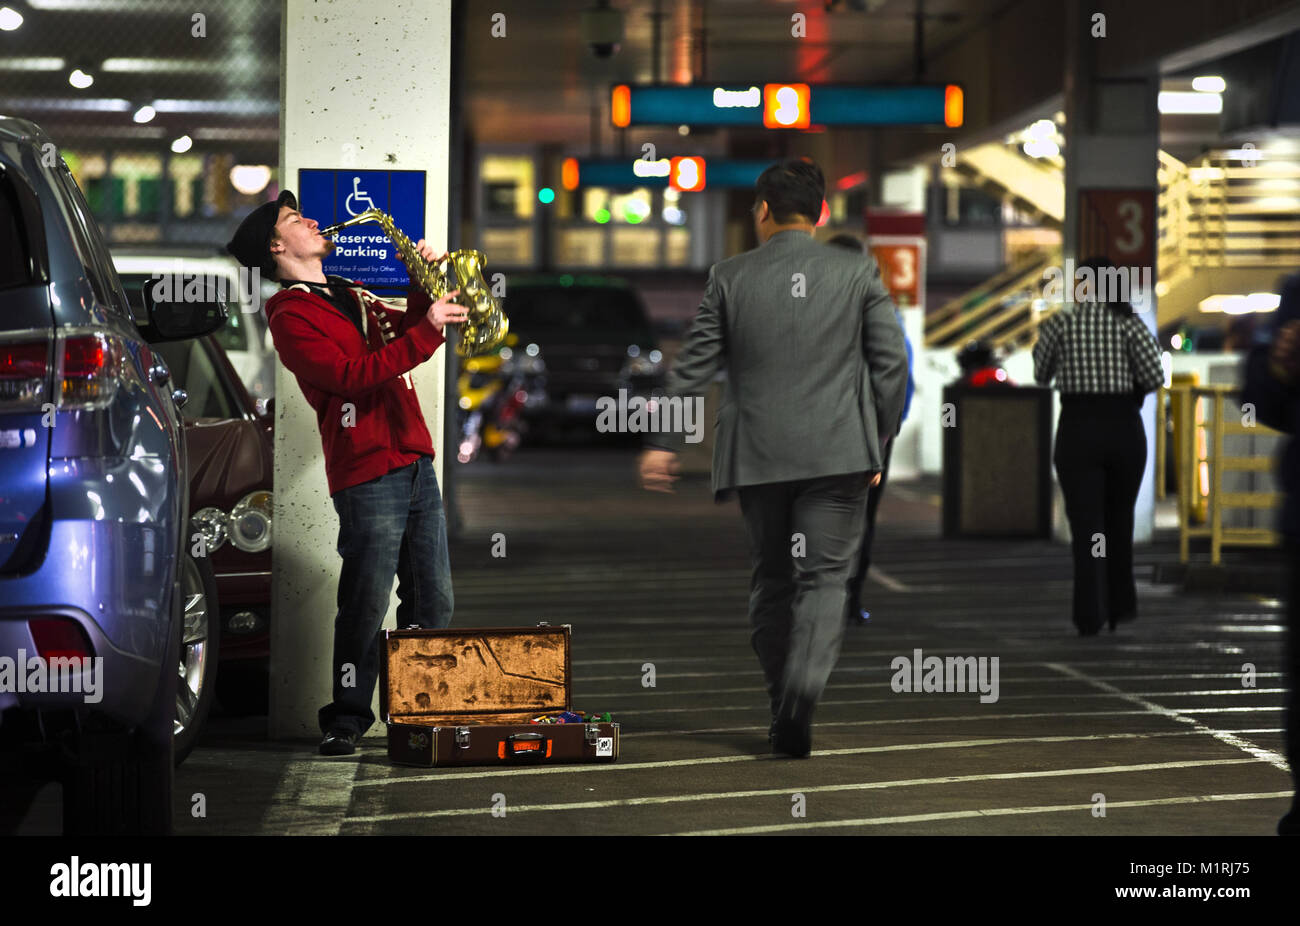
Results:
<point x="59" y="638"/>
<point x="23" y="373"/>
<point x="88" y="370"/>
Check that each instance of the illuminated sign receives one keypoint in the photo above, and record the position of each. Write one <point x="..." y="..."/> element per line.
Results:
<point x="680" y="173"/>
<point x="687" y="174"/>
<point x="788" y="106"/>
<point x="726" y="99"/>
<point x="785" y="106"/>
<point x="643" y="168"/>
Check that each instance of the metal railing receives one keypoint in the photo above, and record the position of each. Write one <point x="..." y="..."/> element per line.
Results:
<point x="1219" y="212"/>
<point x="1201" y="460"/>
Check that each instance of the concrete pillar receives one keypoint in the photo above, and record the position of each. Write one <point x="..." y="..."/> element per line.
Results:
<point x="1112" y="141"/>
<point x="368" y="91"/>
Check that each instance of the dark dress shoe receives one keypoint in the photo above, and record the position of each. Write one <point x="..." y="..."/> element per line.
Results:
<point x="1290" y="824"/>
<point x="339" y="743"/>
<point x="1122" y="618"/>
<point x="792" y="730"/>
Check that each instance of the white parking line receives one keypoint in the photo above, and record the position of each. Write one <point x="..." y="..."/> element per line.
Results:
<point x="843" y="686"/>
<point x="899" y="698"/>
<point x="815" y="789"/>
<point x="887" y="580"/>
<point x="986" y="812"/>
<point x="727" y="760"/>
<point x="1223" y="736"/>
<point x="312" y="798"/>
<point x="962" y="718"/>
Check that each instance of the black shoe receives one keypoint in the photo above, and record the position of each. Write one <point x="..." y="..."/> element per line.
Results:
<point x="792" y="730"/>
<point x="1122" y="618"/>
<point x="339" y="743"/>
<point x="1290" y="824"/>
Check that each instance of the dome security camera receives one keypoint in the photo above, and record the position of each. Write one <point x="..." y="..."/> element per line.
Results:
<point x="602" y="29"/>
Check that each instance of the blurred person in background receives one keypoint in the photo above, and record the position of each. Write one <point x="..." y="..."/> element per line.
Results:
<point x="1273" y="387"/>
<point x="1104" y="361"/>
<point x="857" y="614"/>
<point x="816" y="378"/>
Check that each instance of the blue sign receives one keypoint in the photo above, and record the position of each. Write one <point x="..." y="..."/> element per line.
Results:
<point x="828" y="104"/>
<point x="363" y="252"/>
<point x="718" y="174"/>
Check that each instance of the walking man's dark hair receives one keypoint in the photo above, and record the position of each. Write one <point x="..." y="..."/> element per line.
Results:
<point x="793" y="190"/>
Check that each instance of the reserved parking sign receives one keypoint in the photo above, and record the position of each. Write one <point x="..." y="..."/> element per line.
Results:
<point x="363" y="252"/>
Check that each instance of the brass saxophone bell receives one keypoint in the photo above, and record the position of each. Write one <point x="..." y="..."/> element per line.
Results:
<point x="486" y="325"/>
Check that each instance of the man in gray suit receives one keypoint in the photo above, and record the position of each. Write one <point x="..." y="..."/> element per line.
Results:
<point x="816" y="376"/>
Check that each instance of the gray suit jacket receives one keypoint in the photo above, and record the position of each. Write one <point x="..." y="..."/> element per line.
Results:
<point x="816" y="367"/>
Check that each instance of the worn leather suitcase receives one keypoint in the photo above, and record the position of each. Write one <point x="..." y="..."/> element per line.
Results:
<point x="467" y="697"/>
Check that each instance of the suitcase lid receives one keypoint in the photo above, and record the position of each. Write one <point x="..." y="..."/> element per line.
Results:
<point x="426" y="674"/>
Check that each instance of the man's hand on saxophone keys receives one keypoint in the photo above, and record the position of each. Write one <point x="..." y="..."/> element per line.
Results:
<point x="428" y="253"/>
<point x="444" y="311"/>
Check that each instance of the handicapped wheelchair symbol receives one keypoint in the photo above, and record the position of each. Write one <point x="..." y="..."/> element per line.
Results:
<point x="360" y="196"/>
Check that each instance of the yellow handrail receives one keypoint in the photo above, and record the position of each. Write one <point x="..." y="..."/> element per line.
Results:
<point x="1201" y="460"/>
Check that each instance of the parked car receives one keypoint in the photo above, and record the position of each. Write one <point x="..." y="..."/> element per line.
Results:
<point x="245" y="336"/>
<point x="231" y="448"/>
<point x="96" y="579"/>
<point x="596" y="337"/>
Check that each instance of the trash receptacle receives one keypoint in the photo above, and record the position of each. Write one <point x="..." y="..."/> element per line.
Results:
<point x="997" y="459"/>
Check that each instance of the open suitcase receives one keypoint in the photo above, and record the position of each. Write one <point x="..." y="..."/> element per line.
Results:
<point x="468" y="697"/>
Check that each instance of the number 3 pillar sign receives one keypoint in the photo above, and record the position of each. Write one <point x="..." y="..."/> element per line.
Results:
<point x="1119" y="225"/>
<point x="902" y="267"/>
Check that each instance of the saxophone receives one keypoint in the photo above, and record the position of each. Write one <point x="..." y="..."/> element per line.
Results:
<point x="486" y="325"/>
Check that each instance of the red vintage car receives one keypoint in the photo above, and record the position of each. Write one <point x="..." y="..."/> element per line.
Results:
<point x="229" y="438"/>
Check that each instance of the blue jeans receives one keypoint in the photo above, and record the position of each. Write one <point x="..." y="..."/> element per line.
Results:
<point x="390" y="526"/>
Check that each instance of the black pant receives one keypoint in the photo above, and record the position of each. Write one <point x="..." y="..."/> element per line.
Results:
<point x="804" y="538"/>
<point x="1100" y="456"/>
<point x="859" y="578"/>
<point x="390" y="527"/>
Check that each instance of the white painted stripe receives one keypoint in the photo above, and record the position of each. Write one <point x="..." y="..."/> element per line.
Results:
<point x="754" y="673"/>
<point x="1223" y="736"/>
<point x="986" y="812"/>
<point x="955" y="718"/>
<point x="728" y="760"/>
<point x="947" y="697"/>
<point x="886" y="580"/>
<point x="841" y="686"/>
<point x="816" y="789"/>
<point x="312" y="798"/>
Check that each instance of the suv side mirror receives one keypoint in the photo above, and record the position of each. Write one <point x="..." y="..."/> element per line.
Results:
<point x="178" y="316"/>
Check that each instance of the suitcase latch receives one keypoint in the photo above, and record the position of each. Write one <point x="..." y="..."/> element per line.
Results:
<point x="593" y="733"/>
<point x="462" y="737"/>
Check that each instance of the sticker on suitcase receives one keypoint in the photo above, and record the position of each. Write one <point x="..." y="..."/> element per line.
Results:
<point x="605" y="746"/>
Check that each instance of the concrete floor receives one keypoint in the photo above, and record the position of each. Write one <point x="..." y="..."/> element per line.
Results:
<point x="1152" y="721"/>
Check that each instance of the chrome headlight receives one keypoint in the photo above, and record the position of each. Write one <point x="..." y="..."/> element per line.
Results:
<point x="250" y="522"/>
<point x="213" y="526"/>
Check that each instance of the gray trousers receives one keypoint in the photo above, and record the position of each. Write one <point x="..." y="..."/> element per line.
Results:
<point x="796" y="602"/>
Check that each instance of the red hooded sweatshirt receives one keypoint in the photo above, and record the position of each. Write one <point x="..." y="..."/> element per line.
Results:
<point x="369" y="417"/>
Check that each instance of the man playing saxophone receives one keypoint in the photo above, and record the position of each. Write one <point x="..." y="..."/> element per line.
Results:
<point x="350" y="353"/>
